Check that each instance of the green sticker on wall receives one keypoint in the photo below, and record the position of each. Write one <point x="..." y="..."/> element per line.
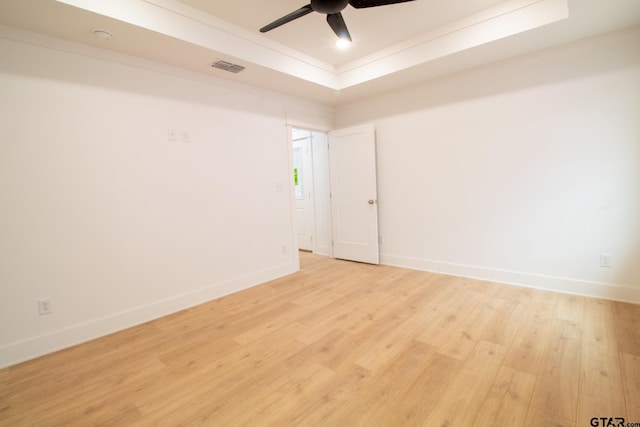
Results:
<point x="295" y="176"/>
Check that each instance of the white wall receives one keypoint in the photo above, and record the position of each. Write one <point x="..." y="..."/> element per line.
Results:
<point x="115" y="223"/>
<point x="523" y="171"/>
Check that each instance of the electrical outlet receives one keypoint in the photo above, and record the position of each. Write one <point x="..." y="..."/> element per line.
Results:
<point x="605" y="261"/>
<point x="172" y="135"/>
<point x="44" y="306"/>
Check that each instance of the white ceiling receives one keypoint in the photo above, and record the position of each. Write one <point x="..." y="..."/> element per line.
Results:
<point x="372" y="29"/>
<point x="394" y="46"/>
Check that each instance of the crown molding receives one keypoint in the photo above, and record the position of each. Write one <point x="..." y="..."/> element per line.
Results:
<point x="179" y="21"/>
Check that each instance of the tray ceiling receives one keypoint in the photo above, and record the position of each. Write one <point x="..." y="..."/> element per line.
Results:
<point x="394" y="46"/>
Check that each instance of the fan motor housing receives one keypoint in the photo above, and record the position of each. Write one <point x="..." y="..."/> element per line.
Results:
<point x="328" y="6"/>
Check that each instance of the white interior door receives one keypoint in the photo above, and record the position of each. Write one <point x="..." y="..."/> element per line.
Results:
<point x="303" y="184"/>
<point x="354" y="208"/>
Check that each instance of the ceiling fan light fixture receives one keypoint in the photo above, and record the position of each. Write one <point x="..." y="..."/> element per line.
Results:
<point x="342" y="43"/>
<point x="333" y="10"/>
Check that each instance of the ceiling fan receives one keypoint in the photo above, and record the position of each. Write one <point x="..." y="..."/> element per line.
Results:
<point x="332" y="9"/>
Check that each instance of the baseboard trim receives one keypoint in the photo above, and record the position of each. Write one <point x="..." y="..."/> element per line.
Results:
<point x="32" y="348"/>
<point x="555" y="284"/>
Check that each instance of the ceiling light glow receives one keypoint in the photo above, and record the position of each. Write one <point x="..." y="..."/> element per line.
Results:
<point x="343" y="43"/>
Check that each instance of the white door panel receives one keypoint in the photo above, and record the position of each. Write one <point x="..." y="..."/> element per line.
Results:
<point x="354" y="194"/>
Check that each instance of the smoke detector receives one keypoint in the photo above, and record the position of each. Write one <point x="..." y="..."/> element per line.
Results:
<point x="102" y="34"/>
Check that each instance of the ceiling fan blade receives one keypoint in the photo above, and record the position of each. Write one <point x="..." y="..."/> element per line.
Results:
<point x="287" y="18"/>
<point x="336" y="22"/>
<point x="360" y="4"/>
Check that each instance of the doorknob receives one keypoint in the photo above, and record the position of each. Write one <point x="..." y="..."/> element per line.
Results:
<point x="371" y="201"/>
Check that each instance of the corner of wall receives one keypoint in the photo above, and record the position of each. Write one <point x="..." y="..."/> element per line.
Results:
<point x="32" y="348"/>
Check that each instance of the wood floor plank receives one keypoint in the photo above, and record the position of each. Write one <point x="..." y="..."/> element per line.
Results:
<point x="329" y="399"/>
<point x="540" y="418"/>
<point x="78" y="400"/>
<point x="424" y="298"/>
<point x="628" y="334"/>
<point x="404" y="284"/>
<point x="556" y="391"/>
<point x="329" y="351"/>
<point x="197" y="352"/>
<point x="528" y="348"/>
<point x="507" y="403"/>
<point x="513" y="293"/>
<point x="286" y="398"/>
<point x="448" y="317"/>
<point x="374" y="307"/>
<point x="384" y="389"/>
<point x="343" y="343"/>
<point x="420" y="398"/>
<point x="270" y="325"/>
<point x="461" y="401"/>
<point x="570" y="307"/>
<point x="384" y="340"/>
<point x="400" y="387"/>
<point x="269" y="399"/>
<point x="630" y="365"/>
<point x="214" y="387"/>
<point x="601" y="391"/>
<point x="626" y="310"/>
<point x="503" y="327"/>
<point x="461" y="339"/>
<point x="386" y="343"/>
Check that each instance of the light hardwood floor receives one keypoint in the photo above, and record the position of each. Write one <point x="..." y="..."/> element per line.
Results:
<point x="348" y="344"/>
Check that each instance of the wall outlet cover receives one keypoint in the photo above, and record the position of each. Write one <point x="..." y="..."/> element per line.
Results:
<point x="44" y="306"/>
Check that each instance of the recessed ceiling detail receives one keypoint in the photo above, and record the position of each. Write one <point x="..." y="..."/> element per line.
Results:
<point x="422" y="39"/>
<point x="177" y="20"/>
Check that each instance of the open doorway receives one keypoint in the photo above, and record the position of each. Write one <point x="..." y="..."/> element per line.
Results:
<point x="303" y="188"/>
<point x="311" y="190"/>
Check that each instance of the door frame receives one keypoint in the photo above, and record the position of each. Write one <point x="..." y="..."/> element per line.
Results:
<point x="320" y="175"/>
